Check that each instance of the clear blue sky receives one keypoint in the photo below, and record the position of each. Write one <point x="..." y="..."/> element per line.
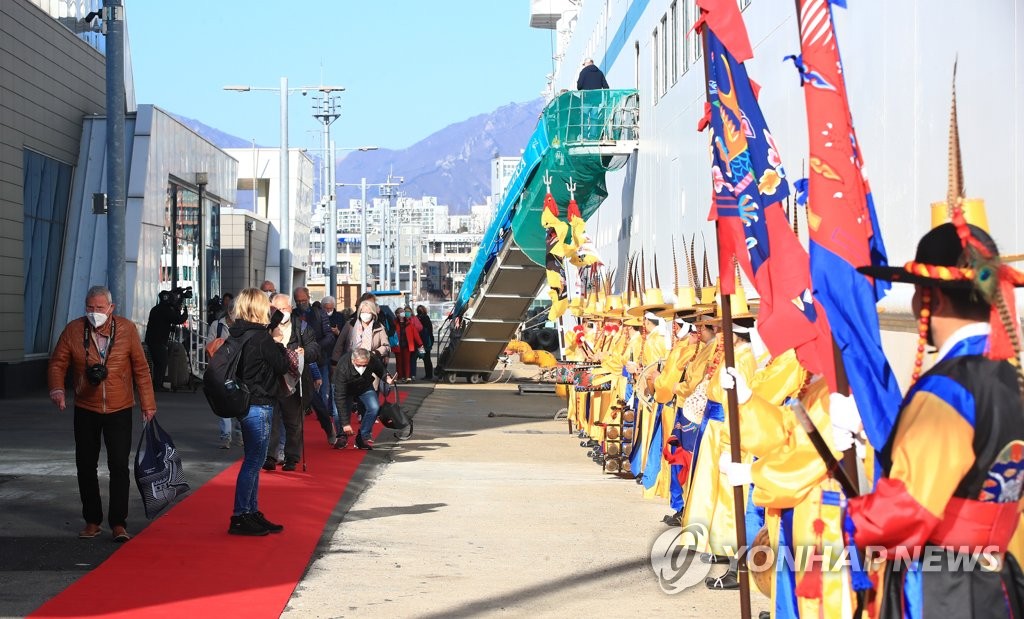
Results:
<point x="409" y="67"/>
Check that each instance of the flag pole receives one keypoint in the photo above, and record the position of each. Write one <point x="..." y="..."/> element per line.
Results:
<point x="739" y="506"/>
<point x="849" y="460"/>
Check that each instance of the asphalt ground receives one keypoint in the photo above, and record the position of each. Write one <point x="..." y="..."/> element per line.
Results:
<point x="40" y="508"/>
<point x="491" y="508"/>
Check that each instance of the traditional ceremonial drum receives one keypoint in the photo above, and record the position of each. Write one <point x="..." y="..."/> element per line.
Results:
<point x="625" y="465"/>
<point x="565" y="372"/>
<point x="612" y="449"/>
<point x="627" y="434"/>
<point x="764" y="574"/>
<point x="584" y="378"/>
<point x="611" y="432"/>
<point x="629" y="416"/>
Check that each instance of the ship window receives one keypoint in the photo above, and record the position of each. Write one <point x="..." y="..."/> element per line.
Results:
<point x="674" y="40"/>
<point x="665" y="36"/>
<point x="654" y="54"/>
<point x="688" y="8"/>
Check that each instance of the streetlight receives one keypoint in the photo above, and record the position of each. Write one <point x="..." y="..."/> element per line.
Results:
<point x="285" y="284"/>
<point x="332" y="205"/>
<point x="363" y="252"/>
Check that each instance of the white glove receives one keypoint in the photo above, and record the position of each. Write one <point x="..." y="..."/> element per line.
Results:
<point x="737" y="473"/>
<point x="842" y="410"/>
<point x="729" y="378"/>
<point x="842" y="439"/>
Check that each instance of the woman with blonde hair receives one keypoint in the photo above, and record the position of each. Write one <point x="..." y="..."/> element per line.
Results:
<point x="263" y="363"/>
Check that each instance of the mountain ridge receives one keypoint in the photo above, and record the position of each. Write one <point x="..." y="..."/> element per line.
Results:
<point x="453" y="163"/>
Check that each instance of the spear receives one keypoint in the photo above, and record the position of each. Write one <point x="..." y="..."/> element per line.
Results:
<point x="693" y="261"/>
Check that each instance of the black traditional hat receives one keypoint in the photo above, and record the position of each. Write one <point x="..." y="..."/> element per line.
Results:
<point x="940" y="261"/>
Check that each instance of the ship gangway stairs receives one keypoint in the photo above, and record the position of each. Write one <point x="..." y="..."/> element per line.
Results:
<point x="581" y="135"/>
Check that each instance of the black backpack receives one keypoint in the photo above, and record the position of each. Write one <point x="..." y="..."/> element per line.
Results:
<point x="227" y="396"/>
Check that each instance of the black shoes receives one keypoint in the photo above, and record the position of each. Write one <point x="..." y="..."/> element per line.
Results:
<point x="727" y="581"/>
<point x="675" y="520"/>
<point x="247" y="524"/>
<point x="341" y="442"/>
<point x="270" y="464"/>
<point x="363" y="444"/>
<point x="268" y="525"/>
<point x="289" y="465"/>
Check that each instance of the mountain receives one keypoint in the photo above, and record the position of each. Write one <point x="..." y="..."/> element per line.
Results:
<point x="452" y="163"/>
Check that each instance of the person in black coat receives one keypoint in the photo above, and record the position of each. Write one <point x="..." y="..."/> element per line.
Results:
<point x="354" y="376"/>
<point x="591" y="78"/>
<point x="162" y="318"/>
<point x="260" y="369"/>
<point x="427" y="334"/>
<point x="293" y="396"/>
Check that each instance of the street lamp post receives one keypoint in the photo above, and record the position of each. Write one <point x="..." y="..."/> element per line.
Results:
<point x="285" y="285"/>
<point x="363" y="251"/>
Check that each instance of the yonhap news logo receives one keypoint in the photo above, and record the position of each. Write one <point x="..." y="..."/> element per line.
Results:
<point x="675" y="558"/>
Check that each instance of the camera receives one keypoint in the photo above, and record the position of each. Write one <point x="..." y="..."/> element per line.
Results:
<point x="176" y="296"/>
<point x="96" y="374"/>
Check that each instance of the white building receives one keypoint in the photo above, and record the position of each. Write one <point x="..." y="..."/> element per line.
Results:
<point x="259" y="170"/>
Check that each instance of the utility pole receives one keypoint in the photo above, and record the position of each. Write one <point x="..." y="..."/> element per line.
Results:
<point x="285" y="285"/>
<point x="364" y="253"/>
<point x="117" y="189"/>
<point x="327" y="111"/>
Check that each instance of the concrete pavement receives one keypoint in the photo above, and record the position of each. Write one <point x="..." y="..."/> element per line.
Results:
<point x="495" y="515"/>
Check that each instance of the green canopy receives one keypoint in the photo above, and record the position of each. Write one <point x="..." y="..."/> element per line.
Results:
<point x="584" y="128"/>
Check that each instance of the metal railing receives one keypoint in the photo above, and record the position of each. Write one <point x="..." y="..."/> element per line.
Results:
<point x="587" y="116"/>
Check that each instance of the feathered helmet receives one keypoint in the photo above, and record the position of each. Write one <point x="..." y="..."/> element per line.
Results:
<point x="959" y="254"/>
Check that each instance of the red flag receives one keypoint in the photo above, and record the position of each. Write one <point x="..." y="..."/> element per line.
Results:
<point x="749" y="186"/>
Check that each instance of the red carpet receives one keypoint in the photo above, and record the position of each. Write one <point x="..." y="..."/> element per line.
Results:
<point x="185" y="565"/>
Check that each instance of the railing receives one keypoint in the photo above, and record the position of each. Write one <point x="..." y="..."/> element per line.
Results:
<point x="587" y="116"/>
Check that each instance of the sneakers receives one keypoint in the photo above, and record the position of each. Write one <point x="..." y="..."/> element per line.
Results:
<point x="363" y="444"/>
<point x="268" y="525"/>
<point x="270" y="464"/>
<point x="225" y="443"/>
<point x="289" y="465"/>
<point x="247" y="524"/>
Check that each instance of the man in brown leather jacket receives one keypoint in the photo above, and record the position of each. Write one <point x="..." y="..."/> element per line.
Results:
<point x="105" y="356"/>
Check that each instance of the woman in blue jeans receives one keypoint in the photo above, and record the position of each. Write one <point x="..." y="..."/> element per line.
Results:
<point x="263" y="363"/>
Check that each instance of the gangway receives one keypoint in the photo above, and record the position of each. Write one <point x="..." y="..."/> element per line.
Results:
<point x="580" y="136"/>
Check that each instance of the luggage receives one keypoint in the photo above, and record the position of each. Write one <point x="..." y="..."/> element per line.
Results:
<point x="393" y="417"/>
<point x="178" y="371"/>
<point x="158" y="472"/>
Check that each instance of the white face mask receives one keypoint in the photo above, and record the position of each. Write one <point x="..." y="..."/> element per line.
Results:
<point x="330" y="312"/>
<point x="366" y="316"/>
<point x="359" y="368"/>
<point x="96" y="319"/>
<point x="286" y="317"/>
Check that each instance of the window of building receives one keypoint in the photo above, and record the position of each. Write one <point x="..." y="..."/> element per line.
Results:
<point x="47" y="192"/>
<point x="674" y="39"/>
<point x="180" y="254"/>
